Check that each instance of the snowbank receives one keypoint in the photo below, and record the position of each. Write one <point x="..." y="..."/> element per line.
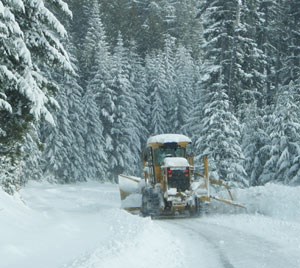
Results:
<point x="12" y="209"/>
<point x="80" y="226"/>
<point x="50" y="225"/>
<point x="134" y="242"/>
<point x="273" y="200"/>
<point x="278" y="201"/>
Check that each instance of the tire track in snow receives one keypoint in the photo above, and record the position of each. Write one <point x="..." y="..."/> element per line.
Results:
<point x="222" y="256"/>
<point x="224" y="261"/>
<point x="235" y="248"/>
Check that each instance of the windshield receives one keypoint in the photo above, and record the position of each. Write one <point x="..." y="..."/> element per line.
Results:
<point x="161" y="153"/>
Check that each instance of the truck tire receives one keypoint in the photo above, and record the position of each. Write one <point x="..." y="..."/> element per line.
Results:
<point x="150" y="203"/>
<point x="145" y="206"/>
<point x="195" y="211"/>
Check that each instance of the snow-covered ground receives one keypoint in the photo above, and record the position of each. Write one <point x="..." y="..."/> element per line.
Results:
<point x="82" y="226"/>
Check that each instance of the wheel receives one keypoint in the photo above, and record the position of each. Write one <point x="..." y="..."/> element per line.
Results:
<point x="195" y="210"/>
<point x="203" y="208"/>
<point x="150" y="203"/>
<point x="145" y="205"/>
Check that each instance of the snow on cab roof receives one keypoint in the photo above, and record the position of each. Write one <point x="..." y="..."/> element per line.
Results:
<point x="166" y="138"/>
<point x="176" y="162"/>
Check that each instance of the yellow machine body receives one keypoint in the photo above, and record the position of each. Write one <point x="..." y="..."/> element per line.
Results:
<point x="170" y="186"/>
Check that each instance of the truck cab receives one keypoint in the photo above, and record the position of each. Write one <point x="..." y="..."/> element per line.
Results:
<point x="159" y="148"/>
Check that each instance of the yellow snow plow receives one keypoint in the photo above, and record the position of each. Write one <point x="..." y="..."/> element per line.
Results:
<point x="171" y="186"/>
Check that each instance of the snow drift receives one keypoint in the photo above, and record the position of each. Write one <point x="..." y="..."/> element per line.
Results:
<point x="277" y="201"/>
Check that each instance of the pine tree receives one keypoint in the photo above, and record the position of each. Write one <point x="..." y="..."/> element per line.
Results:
<point x="255" y="141"/>
<point x="58" y="139"/>
<point x="64" y="150"/>
<point x="100" y="89"/>
<point x="270" y="40"/>
<point x="30" y="43"/>
<point x="157" y="91"/>
<point x="123" y="128"/>
<point x="183" y="88"/>
<point x="96" y="159"/>
<point x="290" y="70"/>
<point x="99" y="99"/>
<point x="82" y="10"/>
<point x="284" y="133"/>
<point x="219" y="139"/>
<point x="94" y="38"/>
<point x="32" y="162"/>
<point x="100" y="109"/>
<point x="14" y="60"/>
<point x="192" y="127"/>
<point x="230" y="44"/>
<point x="140" y="112"/>
<point x="77" y="121"/>
<point x="169" y="98"/>
<point x="246" y="75"/>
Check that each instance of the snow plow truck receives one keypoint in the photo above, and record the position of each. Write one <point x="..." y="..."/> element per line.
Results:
<point x="170" y="186"/>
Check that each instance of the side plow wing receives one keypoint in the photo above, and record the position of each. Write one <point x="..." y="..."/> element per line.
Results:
<point x="131" y="192"/>
<point x="213" y="182"/>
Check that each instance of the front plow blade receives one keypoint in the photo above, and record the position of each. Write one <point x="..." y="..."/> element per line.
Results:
<point x="130" y="192"/>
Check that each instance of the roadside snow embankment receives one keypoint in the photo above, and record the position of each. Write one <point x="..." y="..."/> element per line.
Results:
<point x="277" y="201"/>
<point x="272" y="200"/>
<point x="134" y="242"/>
<point x="82" y="226"/>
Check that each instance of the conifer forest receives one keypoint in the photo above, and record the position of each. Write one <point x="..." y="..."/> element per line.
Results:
<point x="84" y="83"/>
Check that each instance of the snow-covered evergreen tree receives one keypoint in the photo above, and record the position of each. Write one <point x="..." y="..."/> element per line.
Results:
<point x="169" y="99"/>
<point x="140" y="109"/>
<point x="284" y="129"/>
<point x="192" y="126"/>
<point x="255" y="141"/>
<point x="99" y="97"/>
<point x="246" y="78"/>
<point x="99" y="80"/>
<point x="32" y="161"/>
<point x="78" y="27"/>
<point x="96" y="159"/>
<point x="58" y="140"/>
<point x="184" y="83"/>
<point x="123" y="130"/>
<point x="230" y="44"/>
<point x="157" y="91"/>
<point x="219" y="139"/>
<point x="64" y="149"/>
<point x="60" y="145"/>
<point x="290" y="70"/>
<point x="30" y="41"/>
<point x="95" y="34"/>
<point x="78" y="122"/>
<point x="270" y="39"/>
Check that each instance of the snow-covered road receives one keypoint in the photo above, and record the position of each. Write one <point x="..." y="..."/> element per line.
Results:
<point x="82" y="226"/>
<point x="223" y="245"/>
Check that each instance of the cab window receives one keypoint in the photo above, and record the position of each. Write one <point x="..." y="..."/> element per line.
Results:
<point x="161" y="153"/>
